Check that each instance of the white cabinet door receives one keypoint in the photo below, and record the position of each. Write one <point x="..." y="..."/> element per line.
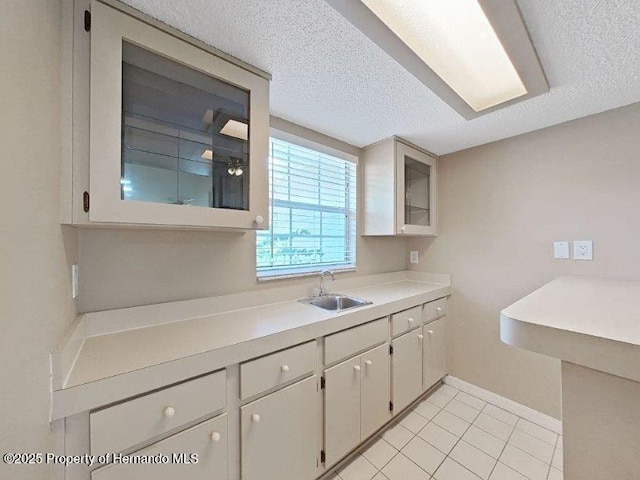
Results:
<point x="342" y="409"/>
<point x="207" y="440"/>
<point x="406" y="364"/>
<point x="279" y="434"/>
<point x="375" y="390"/>
<point x="435" y="352"/>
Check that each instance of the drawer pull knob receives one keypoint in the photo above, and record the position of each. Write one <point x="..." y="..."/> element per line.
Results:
<point x="215" y="436"/>
<point x="439" y="309"/>
<point x="430" y="332"/>
<point x="420" y="336"/>
<point x="356" y="368"/>
<point x="284" y="368"/>
<point x="259" y="220"/>
<point x="255" y="418"/>
<point x="169" y="412"/>
<point x="368" y="363"/>
<point x="410" y="320"/>
<point x="403" y="228"/>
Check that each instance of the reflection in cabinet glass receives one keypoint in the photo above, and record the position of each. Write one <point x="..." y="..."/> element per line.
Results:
<point x="416" y="192"/>
<point x="185" y="134"/>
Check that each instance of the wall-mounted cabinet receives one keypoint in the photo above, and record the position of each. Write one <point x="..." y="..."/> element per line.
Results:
<point x="399" y="189"/>
<point x="165" y="132"/>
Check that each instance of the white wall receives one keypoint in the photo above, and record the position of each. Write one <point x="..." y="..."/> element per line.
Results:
<point x="500" y="208"/>
<point x="35" y="300"/>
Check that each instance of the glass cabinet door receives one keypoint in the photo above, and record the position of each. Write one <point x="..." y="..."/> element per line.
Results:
<point x="184" y="134"/>
<point x="179" y="135"/>
<point x="416" y="191"/>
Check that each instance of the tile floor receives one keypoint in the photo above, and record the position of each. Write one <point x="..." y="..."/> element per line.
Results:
<point x="452" y="435"/>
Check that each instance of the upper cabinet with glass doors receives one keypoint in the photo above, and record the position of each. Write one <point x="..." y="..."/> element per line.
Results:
<point x="178" y="133"/>
<point x="399" y="189"/>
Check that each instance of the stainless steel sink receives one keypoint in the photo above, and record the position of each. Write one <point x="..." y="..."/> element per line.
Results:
<point x="335" y="302"/>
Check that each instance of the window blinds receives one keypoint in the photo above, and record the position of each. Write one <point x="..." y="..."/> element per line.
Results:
<point x="312" y="212"/>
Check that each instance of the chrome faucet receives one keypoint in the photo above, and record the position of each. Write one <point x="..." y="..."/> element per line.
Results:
<point x="324" y="291"/>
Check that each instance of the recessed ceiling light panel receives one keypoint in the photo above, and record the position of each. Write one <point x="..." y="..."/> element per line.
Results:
<point x="474" y="54"/>
<point x="455" y="38"/>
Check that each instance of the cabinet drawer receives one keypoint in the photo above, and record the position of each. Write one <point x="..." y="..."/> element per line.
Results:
<point x="267" y="372"/>
<point x="117" y="428"/>
<point x="208" y="440"/>
<point x="355" y="340"/>
<point x="406" y="320"/>
<point x="435" y="309"/>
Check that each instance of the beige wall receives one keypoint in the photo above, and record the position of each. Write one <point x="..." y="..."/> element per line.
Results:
<point x="35" y="300"/>
<point x="122" y="268"/>
<point x="501" y="207"/>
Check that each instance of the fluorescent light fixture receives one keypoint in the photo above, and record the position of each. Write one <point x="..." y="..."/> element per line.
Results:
<point x="207" y="155"/>
<point x="455" y="39"/>
<point x="234" y="128"/>
<point x="476" y="55"/>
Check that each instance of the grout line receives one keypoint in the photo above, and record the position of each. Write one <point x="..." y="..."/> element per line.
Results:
<point x="552" y="456"/>
<point x="504" y="447"/>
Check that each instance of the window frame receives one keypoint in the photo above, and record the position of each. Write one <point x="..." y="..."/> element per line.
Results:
<point x="310" y="270"/>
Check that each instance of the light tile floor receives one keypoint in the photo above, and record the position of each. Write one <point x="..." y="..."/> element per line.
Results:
<point x="452" y="435"/>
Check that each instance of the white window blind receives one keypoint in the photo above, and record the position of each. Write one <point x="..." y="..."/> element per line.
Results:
<point x="312" y="212"/>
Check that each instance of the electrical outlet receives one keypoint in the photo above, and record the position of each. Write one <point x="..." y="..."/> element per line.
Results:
<point x="582" y="250"/>
<point x="560" y="249"/>
<point x="413" y="256"/>
<point x="74" y="281"/>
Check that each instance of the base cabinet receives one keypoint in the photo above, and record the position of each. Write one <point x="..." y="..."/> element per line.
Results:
<point x="279" y="432"/>
<point x="208" y="440"/>
<point x="406" y="374"/>
<point x="356" y="401"/>
<point x="274" y="418"/>
<point x="434" y="352"/>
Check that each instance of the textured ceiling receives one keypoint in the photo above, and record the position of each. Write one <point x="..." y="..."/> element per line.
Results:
<point x="329" y="77"/>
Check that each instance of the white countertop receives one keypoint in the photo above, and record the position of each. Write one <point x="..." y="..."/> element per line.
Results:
<point x="115" y="364"/>
<point x="594" y="322"/>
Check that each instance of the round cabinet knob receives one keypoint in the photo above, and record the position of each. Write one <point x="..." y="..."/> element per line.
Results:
<point x="410" y="320"/>
<point x="169" y="412"/>
<point x="356" y="368"/>
<point x="368" y="363"/>
<point x="403" y="229"/>
<point x="215" y="437"/>
<point x="284" y="368"/>
<point x="430" y="332"/>
<point x="255" y="418"/>
<point x="420" y="336"/>
<point x="259" y="220"/>
<point x="438" y="309"/>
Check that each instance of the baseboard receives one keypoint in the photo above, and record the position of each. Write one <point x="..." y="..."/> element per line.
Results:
<point x="516" y="408"/>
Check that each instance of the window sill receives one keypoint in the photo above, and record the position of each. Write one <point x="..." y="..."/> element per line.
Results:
<point x="291" y="275"/>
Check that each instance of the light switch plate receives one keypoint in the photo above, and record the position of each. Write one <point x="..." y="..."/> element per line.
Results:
<point x="413" y="256"/>
<point x="582" y="250"/>
<point x="561" y="250"/>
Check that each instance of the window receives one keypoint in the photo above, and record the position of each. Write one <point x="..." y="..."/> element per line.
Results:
<point x="312" y="212"/>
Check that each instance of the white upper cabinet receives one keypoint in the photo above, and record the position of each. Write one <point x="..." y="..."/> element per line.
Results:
<point x="178" y="135"/>
<point x="399" y="189"/>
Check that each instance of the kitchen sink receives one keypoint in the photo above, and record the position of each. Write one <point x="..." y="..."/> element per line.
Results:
<point x="335" y="302"/>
